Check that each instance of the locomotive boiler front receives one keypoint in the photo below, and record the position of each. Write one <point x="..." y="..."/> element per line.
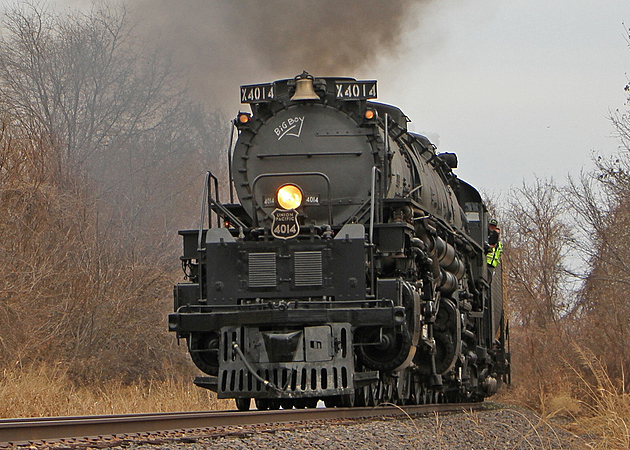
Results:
<point x="326" y="149"/>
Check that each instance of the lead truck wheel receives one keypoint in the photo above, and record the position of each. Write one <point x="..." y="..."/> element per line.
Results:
<point x="204" y="351"/>
<point x="242" y="404"/>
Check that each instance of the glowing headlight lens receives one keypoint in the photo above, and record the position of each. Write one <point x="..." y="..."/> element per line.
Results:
<point x="289" y="196"/>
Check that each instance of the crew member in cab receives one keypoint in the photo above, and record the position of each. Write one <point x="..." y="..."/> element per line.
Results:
<point x="493" y="256"/>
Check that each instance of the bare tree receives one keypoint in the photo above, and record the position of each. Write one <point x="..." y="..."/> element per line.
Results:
<point x="601" y="201"/>
<point x="539" y="243"/>
<point x="539" y="291"/>
<point x="81" y="77"/>
<point x="100" y="150"/>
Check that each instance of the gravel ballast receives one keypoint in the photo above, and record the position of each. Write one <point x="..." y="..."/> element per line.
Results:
<point x="494" y="429"/>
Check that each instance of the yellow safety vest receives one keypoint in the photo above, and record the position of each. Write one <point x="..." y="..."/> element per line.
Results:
<point x="494" y="256"/>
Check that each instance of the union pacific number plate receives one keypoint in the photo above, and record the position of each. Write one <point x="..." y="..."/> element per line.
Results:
<point x="285" y="223"/>
<point x="355" y="90"/>
<point x="257" y="93"/>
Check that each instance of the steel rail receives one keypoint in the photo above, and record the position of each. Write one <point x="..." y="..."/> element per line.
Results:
<point x="18" y="431"/>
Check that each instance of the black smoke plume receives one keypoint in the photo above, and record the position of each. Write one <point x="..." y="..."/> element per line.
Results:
<point x="221" y="44"/>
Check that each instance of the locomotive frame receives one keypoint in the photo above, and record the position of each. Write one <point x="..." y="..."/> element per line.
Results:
<point x="371" y="289"/>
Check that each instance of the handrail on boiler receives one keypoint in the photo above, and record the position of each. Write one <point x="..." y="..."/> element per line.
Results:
<point x="200" y="249"/>
<point x="207" y="200"/>
<point x="375" y="170"/>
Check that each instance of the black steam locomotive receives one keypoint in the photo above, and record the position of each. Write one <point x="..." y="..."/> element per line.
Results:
<point x="353" y="268"/>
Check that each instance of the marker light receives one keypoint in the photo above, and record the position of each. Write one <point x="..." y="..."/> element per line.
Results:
<point x="369" y="114"/>
<point x="244" y="118"/>
<point x="289" y="196"/>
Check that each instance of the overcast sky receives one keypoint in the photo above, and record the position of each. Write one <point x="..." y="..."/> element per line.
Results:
<point x="517" y="88"/>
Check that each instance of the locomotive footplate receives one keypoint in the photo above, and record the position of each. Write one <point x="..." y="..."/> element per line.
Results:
<point x="197" y="318"/>
<point x="311" y="361"/>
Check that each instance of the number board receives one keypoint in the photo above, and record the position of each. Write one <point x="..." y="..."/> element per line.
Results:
<point x="269" y="201"/>
<point x="257" y="93"/>
<point x="311" y="199"/>
<point x="355" y="90"/>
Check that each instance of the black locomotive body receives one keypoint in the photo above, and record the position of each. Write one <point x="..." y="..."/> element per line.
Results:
<point x="353" y="268"/>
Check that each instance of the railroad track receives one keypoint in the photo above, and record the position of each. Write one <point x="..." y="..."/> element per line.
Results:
<point x="34" y="431"/>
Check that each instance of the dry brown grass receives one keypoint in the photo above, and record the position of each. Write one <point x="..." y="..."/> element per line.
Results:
<point x="578" y="393"/>
<point x="605" y="403"/>
<point x="46" y="391"/>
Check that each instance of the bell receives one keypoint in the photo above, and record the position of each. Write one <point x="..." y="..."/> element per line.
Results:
<point x="304" y="88"/>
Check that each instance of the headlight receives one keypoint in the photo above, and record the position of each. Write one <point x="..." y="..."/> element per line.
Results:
<point x="289" y="196"/>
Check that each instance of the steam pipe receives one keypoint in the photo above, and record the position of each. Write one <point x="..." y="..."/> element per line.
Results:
<point x="447" y="257"/>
